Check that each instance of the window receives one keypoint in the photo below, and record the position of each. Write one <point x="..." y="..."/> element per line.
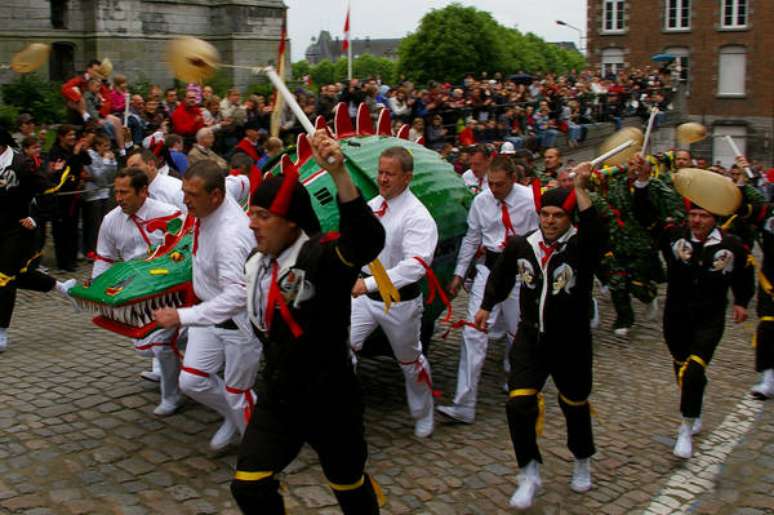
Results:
<point x="682" y="61"/>
<point x="734" y="14"/>
<point x="721" y="150"/>
<point x="678" y="14"/>
<point x="613" y="16"/>
<point x="612" y="61"/>
<point x="732" y="71"/>
<point x="58" y="14"/>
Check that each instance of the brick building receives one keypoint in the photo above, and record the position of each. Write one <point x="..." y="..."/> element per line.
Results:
<point x="725" y="49"/>
<point x="134" y="33"/>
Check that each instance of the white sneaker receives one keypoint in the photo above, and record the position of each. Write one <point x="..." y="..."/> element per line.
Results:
<point x="64" y="287"/>
<point x="529" y="485"/>
<point x="424" y="426"/>
<point x="595" y="317"/>
<point x="604" y="290"/>
<point x="150" y="375"/>
<point x="168" y="407"/>
<point x="696" y="427"/>
<point x="765" y="389"/>
<point x="3" y="340"/>
<point x="623" y="332"/>
<point x="224" y="435"/>
<point x="581" y="476"/>
<point x="457" y="413"/>
<point x="684" y="445"/>
<point x="651" y="313"/>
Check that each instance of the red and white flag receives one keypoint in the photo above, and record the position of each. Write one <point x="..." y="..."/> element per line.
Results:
<point x="345" y="43"/>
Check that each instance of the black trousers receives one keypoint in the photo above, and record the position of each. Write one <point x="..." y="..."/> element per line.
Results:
<point x="65" y="230"/>
<point x="92" y="213"/>
<point x="764" y="336"/>
<point x="16" y="255"/>
<point x="567" y="358"/>
<point x="692" y="339"/>
<point x="331" y="422"/>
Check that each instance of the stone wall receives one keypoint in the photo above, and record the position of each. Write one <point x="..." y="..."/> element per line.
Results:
<point x="134" y="33"/>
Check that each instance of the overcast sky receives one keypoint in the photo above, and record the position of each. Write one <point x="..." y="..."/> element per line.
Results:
<point x="396" y="18"/>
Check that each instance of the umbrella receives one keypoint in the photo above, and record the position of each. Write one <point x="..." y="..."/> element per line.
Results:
<point x="522" y="78"/>
<point x="663" y="58"/>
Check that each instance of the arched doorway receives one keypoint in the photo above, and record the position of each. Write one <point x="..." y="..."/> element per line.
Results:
<point x="61" y="63"/>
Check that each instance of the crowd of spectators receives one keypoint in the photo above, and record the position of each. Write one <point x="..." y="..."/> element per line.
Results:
<point x="182" y="126"/>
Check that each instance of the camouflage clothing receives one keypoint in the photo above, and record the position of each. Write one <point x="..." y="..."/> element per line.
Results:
<point x="632" y="267"/>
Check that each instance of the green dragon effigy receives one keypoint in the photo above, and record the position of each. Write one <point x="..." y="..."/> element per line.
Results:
<point x="125" y="295"/>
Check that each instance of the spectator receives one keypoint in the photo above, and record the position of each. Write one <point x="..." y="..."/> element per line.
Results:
<point x="136" y="121"/>
<point x="25" y="126"/>
<point x="436" y="133"/>
<point x="170" y="102"/>
<point x="96" y="200"/>
<point x="273" y="148"/>
<point x="417" y="129"/>
<point x="118" y="95"/>
<point x="250" y="144"/>
<point x="187" y="119"/>
<point x="179" y="161"/>
<point x="67" y="160"/>
<point x="202" y="149"/>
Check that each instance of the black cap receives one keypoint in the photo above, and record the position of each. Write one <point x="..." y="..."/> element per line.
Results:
<point x="300" y="208"/>
<point x="559" y="197"/>
<point x="6" y="140"/>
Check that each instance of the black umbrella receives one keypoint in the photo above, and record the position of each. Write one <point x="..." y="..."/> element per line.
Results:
<point x="522" y="78"/>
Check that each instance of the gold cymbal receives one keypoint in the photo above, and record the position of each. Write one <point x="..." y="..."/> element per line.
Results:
<point x="709" y="190"/>
<point x="616" y="139"/>
<point x="690" y="132"/>
<point x="192" y="59"/>
<point x="29" y="59"/>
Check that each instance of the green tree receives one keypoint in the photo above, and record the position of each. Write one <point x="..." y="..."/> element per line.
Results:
<point x="450" y="42"/>
<point x="300" y="68"/>
<point x="32" y="94"/>
<point x="455" y="40"/>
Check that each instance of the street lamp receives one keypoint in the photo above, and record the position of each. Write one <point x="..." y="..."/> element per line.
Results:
<point x="580" y="34"/>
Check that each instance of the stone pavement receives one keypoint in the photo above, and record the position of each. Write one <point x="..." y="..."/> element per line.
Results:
<point x="77" y="436"/>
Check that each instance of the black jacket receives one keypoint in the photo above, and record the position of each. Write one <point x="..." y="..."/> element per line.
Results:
<point x="328" y="266"/>
<point x="561" y="304"/>
<point x="699" y="274"/>
<point x="19" y="183"/>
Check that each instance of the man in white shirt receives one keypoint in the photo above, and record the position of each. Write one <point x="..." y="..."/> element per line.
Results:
<point x="123" y="236"/>
<point x="410" y="245"/>
<point x="475" y="177"/>
<point x="160" y="187"/>
<point x="219" y="333"/>
<point x="166" y="189"/>
<point x="503" y="210"/>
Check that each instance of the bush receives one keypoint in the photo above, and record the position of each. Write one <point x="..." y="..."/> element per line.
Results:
<point x="32" y="94"/>
<point x="8" y="115"/>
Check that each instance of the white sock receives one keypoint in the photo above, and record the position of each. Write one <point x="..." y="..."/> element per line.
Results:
<point x="122" y="152"/>
<point x="86" y="117"/>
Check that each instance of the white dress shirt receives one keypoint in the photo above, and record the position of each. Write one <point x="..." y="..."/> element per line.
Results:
<point x="486" y="227"/>
<point x="473" y="182"/>
<point x="223" y="244"/>
<point x="168" y="189"/>
<point x="410" y="231"/>
<point x="121" y="236"/>
<point x="238" y="186"/>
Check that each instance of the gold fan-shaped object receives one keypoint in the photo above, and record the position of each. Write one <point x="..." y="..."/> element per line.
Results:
<point x="106" y="68"/>
<point x="32" y="57"/>
<point x="614" y="140"/>
<point x="690" y="132"/>
<point x="192" y="59"/>
<point x="708" y="190"/>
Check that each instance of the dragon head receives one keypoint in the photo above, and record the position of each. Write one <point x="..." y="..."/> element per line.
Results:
<point x="125" y="296"/>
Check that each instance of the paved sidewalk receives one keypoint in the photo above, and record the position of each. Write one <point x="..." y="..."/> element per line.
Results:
<point x="77" y="435"/>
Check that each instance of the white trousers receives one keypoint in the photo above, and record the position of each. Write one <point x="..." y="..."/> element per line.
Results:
<point x="401" y="324"/>
<point x="504" y="318"/>
<point x="211" y="349"/>
<point x="159" y="345"/>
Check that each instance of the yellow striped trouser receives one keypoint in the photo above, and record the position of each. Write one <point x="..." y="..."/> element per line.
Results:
<point x="684" y="367"/>
<point x="527" y="392"/>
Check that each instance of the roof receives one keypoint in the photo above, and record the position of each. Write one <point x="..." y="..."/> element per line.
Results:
<point x="326" y="47"/>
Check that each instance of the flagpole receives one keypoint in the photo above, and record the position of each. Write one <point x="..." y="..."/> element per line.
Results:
<point x="348" y="43"/>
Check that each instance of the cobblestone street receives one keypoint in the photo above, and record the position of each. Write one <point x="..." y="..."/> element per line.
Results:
<point x="77" y="435"/>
